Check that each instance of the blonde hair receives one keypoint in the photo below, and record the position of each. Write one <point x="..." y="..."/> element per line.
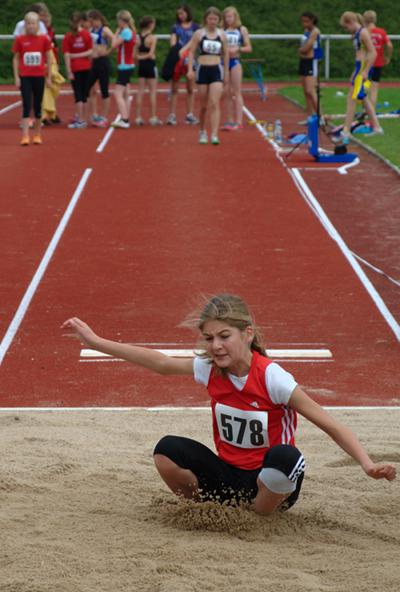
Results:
<point x="238" y="22"/>
<point x="369" y="17"/>
<point x="125" y="15"/>
<point x="229" y="309"/>
<point x="351" y="17"/>
<point x="212" y="10"/>
<point x="32" y="16"/>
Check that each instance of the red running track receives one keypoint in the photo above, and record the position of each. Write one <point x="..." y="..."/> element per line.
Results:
<point x="161" y="220"/>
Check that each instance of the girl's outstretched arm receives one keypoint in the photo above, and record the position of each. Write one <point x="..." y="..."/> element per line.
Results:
<point x="342" y="435"/>
<point x="142" y="356"/>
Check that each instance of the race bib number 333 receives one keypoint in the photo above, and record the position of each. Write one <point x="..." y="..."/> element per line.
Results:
<point x="245" y="429"/>
<point x="32" y="58"/>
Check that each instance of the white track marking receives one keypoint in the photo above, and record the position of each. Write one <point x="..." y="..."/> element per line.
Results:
<point x="162" y="409"/>
<point x="107" y="136"/>
<point x="312" y="201"/>
<point x="30" y="292"/>
<point x="334" y="234"/>
<point x="10" y="107"/>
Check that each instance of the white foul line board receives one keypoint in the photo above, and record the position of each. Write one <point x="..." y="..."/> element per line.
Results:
<point x="93" y="355"/>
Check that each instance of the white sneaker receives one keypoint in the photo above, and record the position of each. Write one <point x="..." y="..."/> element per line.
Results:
<point x="121" y="124"/>
<point x="191" y="119"/>
<point x="215" y="140"/>
<point x="139" y="121"/>
<point x="155" y="121"/>
<point x="171" y="119"/>
<point x="203" y="137"/>
<point x="376" y="131"/>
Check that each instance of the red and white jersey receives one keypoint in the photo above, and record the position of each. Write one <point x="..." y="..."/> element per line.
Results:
<point x="32" y="51"/>
<point x="250" y="414"/>
<point x="379" y="39"/>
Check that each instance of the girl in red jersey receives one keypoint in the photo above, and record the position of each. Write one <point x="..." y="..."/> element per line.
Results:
<point x="254" y="405"/>
<point x="124" y="40"/>
<point x="77" y="47"/>
<point x="32" y="52"/>
<point x="381" y="41"/>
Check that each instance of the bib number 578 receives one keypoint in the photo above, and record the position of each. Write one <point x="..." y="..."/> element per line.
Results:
<point x="238" y="429"/>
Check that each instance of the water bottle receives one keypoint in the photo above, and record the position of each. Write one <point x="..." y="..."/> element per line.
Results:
<point x="278" y="131"/>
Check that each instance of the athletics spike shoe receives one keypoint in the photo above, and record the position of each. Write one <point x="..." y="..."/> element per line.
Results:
<point x="376" y="131"/>
<point x="191" y="119"/>
<point x="25" y="141"/>
<point x="171" y="119"/>
<point x="155" y="121"/>
<point x="139" y="121"/>
<point x="121" y="124"/>
<point x="37" y="140"/>
<point x="77" y="125"/>
<point x="215" y="140"/>
<point x="227" y="127"/>
<point x="203" y="138"/>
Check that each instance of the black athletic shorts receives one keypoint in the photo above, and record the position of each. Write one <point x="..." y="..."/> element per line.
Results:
<point x="375" y="73"/>
<point x="32" y="90"/>
<point x="101" y="70"/>
<point x="209" y="74"/>
<point x="220" y="481"/>
<point x="124" y="77"/>
<point x="147" y="69"/>
<point x="307" y="67"/>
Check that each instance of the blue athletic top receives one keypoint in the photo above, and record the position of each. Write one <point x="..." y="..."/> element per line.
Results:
<point x="234" y="37"/>
<point x="317" y="48"/>
<point x="183" y="34"/>
<point x="98" y="37"/>
<point x="357" y="43"/>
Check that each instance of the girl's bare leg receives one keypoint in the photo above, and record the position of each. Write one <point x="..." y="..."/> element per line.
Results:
<point x="236" y="75"/>
<point x="139" y="97"/>
<point x="203" y="91"/>
<point x="214" y="104"/>
<point x="152" y="82"/>
<point x="189" y="96"/>
<point x="351" y="107"/>
<point x="180" y="481"/>
<point x="174" y="96"/>
<point x="368" y="106"/>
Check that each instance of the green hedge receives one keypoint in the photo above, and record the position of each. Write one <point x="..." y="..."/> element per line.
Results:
<point x="260" y="16"/>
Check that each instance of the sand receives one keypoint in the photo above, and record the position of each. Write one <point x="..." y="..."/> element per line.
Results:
<point x="82" y="509"/>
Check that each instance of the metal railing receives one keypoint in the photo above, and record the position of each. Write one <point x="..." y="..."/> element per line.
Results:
<point x="325" y="38"/>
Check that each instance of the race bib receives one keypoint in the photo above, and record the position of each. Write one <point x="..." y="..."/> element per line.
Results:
<point x="233" y="39"/>
<point x="244" y="429"/>
<point x="32" y="58"/>
<point x="212" y="47"/>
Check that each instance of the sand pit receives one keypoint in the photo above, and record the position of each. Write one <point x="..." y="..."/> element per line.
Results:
<point x="82" y="509"/>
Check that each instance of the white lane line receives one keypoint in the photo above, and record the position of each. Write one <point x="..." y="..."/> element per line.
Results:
<point x="311" y="200"/>
<point x="178" y="409"/>
<point x="190" y="353"/>
<point x="9" y="107"/>
<point x="107" y="136"/>
<point x="30" y="292"/>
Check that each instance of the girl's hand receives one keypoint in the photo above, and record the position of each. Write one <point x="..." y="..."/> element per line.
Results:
<point x="381" y="471"/>
<point x="48" y="81"/>
<point x="190" y="75"/>
<point x="80" y="330"/>
<point x="71" y="76"/>
<point x="18" y="82"/>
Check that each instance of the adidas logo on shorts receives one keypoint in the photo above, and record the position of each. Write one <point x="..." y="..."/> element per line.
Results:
<point x="298" y="468"/>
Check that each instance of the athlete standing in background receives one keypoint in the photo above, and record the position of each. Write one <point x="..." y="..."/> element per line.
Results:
<point x="309" y="51"/>
<point x="181" y="36"/>
<point x="381" y="42"/>
<point x="238" y="43"/>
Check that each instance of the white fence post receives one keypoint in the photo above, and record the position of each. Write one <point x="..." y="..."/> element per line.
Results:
<point x="327" y="58"/>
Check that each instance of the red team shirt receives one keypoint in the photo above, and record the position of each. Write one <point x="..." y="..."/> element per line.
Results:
<point x="32" y="51"/>
<point x="125" y="55"/>
<point x="78" y="43"/>
<point x="246" y="423"/>
<point x="379" y="39"/>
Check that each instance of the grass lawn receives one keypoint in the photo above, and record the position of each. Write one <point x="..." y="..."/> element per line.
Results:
<point x="387" y="145"/>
